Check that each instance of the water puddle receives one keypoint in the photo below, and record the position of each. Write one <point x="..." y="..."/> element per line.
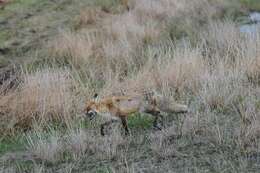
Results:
<point x="255" y="16"/>
<point x="253" y="25"/>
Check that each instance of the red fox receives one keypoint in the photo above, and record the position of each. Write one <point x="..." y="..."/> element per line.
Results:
<point x="117" y="108"/>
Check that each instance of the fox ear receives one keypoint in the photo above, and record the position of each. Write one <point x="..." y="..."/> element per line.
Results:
<point x="95" y="95"/>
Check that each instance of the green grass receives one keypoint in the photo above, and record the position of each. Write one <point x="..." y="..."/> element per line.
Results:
<point x="22" y="4"/>
<point x="253" y="5"/>
<point x="4" y="35"/>
<point x="12" y="144"/>
<point x="3" y="62"/>
<point x="138" y="121"/>
<point x="104" y="170"/>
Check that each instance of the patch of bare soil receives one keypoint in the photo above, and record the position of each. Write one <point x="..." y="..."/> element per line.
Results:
<point x="8" y="78"/>
<point x="14" y="156"/>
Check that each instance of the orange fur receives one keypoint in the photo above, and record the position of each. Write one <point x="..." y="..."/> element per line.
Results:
<point x="120" y="107"/>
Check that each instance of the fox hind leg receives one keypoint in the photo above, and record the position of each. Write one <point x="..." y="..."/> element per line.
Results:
<point x="157" y="117"/>
<point x="125" y="126"/>
<point x="155" y="122"/>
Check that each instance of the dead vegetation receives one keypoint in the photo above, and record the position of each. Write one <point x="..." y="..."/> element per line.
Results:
<point x="183" y="50"/>
<point x="43" y="96"/>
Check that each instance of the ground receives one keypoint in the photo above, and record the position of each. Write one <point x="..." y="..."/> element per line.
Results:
<point x="54" y="55"/>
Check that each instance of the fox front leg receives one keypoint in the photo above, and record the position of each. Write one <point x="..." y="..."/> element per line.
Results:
<point x="125" y="126"/>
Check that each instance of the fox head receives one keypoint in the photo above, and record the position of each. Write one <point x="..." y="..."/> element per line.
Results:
<point x="90" y="110"/>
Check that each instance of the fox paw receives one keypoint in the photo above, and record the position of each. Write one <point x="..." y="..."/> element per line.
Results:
<point x="157" y="127"/>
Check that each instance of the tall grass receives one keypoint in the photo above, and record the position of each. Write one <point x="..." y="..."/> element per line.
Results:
<point x="183" y="50"/>
<point x="40" y="97"/>
<point x="126" y="53"/>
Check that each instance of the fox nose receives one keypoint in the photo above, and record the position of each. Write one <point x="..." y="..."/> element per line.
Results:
<point x="90" y="115"/>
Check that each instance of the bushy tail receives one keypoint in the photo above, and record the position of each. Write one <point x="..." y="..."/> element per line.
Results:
<point x="177" y="108"/>
<point x="170" y="106"/>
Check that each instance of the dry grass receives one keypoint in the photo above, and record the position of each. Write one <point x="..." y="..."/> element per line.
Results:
<point x="48" y="150"/>
<point x="162" y="142"/>
<point x="76" y="144"/>
<point x="204" y="62"/>
<point x="40" y="97"/>
<point x="121" y="34"/>
<point x="89" y="16"/>
<point x="72" y="48"/>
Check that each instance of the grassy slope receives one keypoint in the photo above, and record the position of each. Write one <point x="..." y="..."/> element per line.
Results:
<point x="27" y="24"/>
<point x="251" y="4"/>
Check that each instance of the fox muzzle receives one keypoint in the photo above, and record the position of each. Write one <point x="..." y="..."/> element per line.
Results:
<point x="91" y="114"/>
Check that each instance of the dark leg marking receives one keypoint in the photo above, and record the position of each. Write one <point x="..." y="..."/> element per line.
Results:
<point x="124" y="123"/>
<point x="157" y="115"/>
<point x="155" y="123"/>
